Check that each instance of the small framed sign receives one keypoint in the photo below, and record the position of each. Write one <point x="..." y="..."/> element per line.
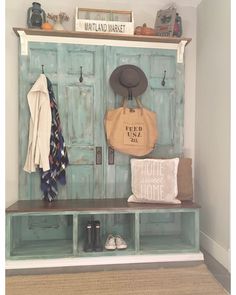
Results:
<point x="104" y="21"/>
<point x="165" y="21"/>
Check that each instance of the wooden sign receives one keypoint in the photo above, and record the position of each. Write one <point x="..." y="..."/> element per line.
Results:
<point x="104" y="21"/>
<point x="165" y="21"/>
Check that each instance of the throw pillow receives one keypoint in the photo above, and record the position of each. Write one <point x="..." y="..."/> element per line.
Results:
<point x="154" y="180"/>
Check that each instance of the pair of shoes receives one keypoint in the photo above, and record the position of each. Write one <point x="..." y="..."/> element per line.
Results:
<point x="93" y="239"/>
<point x="115" y="242"/>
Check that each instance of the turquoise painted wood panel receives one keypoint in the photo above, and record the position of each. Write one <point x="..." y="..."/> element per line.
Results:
<point x="141" y="240"/>
<point x="82" y="106"/>
<point x="9" y="237"/>
<point x="162" y="223"/>
<point x="190" y="225"/>
<point x="75" y="234"/>
<point x="175" y="234"/>
<point x="43" y="249"/>
<point x="80" y="182"/>
<point x="80" y="125"/>
<point x="166" y="101"/>
<point x="137" y="232"/>
<point x="43" y="227"/>
<point x="82" y="114"/>
<point x="158" y="98"/>
<point x="81" y="111"/>
<point x="164" y="244"/>
<point x="29" y="184"/>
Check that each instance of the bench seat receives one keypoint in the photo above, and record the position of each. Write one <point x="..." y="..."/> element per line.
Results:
<point x="91" y="205"/>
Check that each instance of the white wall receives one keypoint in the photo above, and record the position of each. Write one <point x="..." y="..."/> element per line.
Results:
<point x="212" y="139"/>
<point x="144" y="11"/>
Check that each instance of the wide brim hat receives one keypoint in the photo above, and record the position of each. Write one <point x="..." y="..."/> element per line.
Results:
<point x="128" y="81"/>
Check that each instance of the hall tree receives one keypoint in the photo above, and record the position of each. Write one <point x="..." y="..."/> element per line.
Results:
<point x="99" y="178"/>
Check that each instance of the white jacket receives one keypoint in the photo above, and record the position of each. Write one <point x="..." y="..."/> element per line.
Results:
<point x="40" y="126"/>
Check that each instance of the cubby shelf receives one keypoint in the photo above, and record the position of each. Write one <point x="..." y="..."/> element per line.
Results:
<point x="43" y="248"/>
<point x="178" y="234"/>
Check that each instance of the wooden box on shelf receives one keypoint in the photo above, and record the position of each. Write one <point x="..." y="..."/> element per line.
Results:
<point x="104" y="21"/>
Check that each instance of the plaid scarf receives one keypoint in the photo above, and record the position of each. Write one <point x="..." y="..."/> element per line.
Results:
<point x="58" y="158"/>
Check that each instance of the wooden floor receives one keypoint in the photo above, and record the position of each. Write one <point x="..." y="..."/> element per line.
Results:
<point x="219" y="272"/>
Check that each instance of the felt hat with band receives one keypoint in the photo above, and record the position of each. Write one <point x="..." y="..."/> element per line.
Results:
<point x="128" y="80"/>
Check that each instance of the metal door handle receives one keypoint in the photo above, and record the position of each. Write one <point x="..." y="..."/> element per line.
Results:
<point x="110" y="156"/>
<point x="98" y="155"/>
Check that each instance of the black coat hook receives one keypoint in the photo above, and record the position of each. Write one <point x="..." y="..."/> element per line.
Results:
<point x="163" y="80"/>
<point x="42" y="69"/>
<point x="81" y="75"/>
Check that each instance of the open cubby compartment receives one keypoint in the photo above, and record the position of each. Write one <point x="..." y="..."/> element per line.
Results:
<point x="122" y="224"/>
<point x="169" y="232"/>
<point x="39" y="235"/>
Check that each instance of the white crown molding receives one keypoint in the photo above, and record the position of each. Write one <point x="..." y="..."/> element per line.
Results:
<point x="24" y="39"/>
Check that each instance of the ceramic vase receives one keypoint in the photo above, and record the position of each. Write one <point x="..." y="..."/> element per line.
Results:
<point x="58" y="26"/>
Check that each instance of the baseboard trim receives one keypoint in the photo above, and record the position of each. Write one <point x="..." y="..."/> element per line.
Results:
<point x="214" y="249"/>
<point x="86" y="261"/>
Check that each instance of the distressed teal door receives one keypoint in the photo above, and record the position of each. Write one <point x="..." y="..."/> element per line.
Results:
<point x="81" y="109"/>
<point x="81" y="102"/>
<point x="167" y="101"/>
<point x="82" y="105"/>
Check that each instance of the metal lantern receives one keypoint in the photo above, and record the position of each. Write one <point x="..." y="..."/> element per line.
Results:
<point x="35" y="16"/>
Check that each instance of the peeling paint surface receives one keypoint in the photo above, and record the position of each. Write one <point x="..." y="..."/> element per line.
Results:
<point x="82" y="106"/>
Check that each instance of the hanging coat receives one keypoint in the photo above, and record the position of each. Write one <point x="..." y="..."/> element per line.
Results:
<point x="58" y="157"/>
<point x="39" y="127"/>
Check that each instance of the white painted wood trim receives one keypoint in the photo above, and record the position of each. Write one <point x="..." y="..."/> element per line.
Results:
<point x="87" y="41"/>
<point x="108" y="260"/>
<point x="180" y="51"/>
<point x="109" y="42"/>
<point x="23" y="42"/>
<point x="221" y="254"/>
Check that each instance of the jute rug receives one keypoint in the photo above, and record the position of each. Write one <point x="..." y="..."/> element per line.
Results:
<point x="194" y="280"/>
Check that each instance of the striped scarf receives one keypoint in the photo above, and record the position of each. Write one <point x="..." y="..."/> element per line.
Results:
<point x="58" y="158"/>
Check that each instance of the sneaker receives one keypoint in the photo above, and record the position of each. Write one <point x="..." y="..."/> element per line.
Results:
<point x="110" y="243"/>
<point x="120" y="243"/>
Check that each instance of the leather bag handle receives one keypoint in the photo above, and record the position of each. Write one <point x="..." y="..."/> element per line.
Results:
<point x="138" y="101"/>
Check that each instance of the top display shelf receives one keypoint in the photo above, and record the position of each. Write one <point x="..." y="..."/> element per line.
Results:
<point x="108" y="36"/>
<point x="107" y="39"/>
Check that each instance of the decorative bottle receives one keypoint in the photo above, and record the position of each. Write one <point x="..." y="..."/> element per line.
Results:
<point x="177" y="32"/>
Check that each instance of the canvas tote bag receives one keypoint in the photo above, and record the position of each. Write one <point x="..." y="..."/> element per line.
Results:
<point x="131" y="131"/>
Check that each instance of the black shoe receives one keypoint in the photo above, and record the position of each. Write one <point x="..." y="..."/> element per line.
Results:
<point x="88" y="246"/>
<point x="97" y="245"/>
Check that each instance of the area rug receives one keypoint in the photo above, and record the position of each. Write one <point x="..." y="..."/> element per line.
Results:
<point x="194" y="280"/>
